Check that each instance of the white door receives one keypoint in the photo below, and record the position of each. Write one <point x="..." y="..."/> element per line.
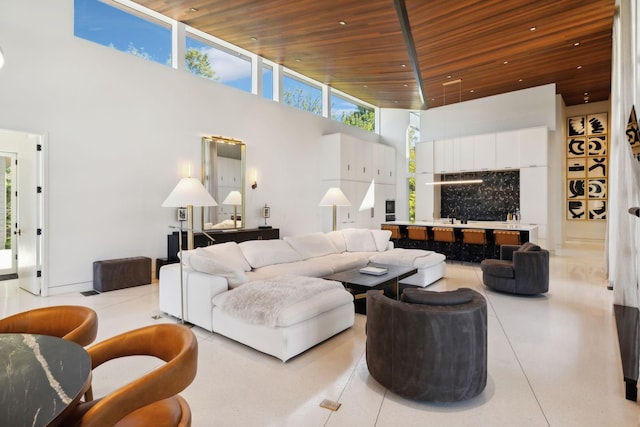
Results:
<point x="8" y="215"/>
<point x="28" y="207"/>
<point x="28" y="219"/>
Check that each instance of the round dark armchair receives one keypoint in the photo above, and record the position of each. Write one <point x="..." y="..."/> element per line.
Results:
<point x="430" y="346"/>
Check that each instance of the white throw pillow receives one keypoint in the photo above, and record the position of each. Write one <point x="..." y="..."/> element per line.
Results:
<point x="209" y="265"/>
<point x="228" y="253"/>
<point x="359" y="240"/>
<point x="337" y="239"/>
<point x="381" y="238"/>
<point x="267" y="252"/>
<point x="311" y="245"/>
<point x="186" y="256"/>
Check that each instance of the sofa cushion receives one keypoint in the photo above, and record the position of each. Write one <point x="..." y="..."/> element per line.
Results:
<point x="228" y="253"/>
<point x="337" y="239"/>
<point x="381" y="237"/>
<point x="528" y="247"/>
<point x="211" y="265"/>
<point x="297" y="268"/>
<point x="266" y="252"/>
<point x="418" y="258"/>
<point x="498" y="268"/>
<point x="359" y="240"/>
<point x="311" y="245"/>
<point x="282" y="301"/>
<point x="420" y="296"/>
<point x="341" y="262"/>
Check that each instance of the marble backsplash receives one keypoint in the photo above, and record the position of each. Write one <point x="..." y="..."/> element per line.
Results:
<point x="492" y="200"/>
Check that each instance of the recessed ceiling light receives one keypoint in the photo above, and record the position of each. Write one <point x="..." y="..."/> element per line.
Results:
<point x="365" y="86"/>
<point x="254" y="39"/>
<point x="576" y="44"/>
<point x="578" y="67"/>
<point x="342" y="22"/>
<point x="472" y="91"/>
<point x="505" y="62"/>
<point x="520" y="80"/>
<point x="403" y="65"/>
<point x="298" y="60"/>
<point x="405" y="85"/>
<point x="448" y="77"/>
<point x="586" y="93"/>
<point x="193" y="9"/>
<point x="532" y="29"/>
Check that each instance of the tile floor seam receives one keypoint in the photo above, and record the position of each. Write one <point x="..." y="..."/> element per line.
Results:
<point x="515" y="354"/>
<point x="346" y="384"/>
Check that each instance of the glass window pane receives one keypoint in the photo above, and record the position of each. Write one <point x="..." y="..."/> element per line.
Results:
<point x="127" y="32"/>
<point x="267" y="82"/>
<point x="301" y="95"/>
<point x="352" y="114"/>
<point x="216" y="63"/>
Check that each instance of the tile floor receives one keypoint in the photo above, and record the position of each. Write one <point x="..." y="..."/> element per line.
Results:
<point x="552" y="361"/>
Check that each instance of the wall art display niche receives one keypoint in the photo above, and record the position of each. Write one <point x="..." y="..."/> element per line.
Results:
<point x="587" y="167"/>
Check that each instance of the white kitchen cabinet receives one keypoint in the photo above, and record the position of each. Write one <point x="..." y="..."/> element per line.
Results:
<point x="508" y="150"/>
<point x="533" y="147"/>
<point x="444" y="155"/>
<point x="424" y="197"/>
<point x="352" y="164"/>
<point x="424" y="157"/>
<point x="466" y="148"/>
<point x="384" y="173"/>
<point x="484" y="152"/>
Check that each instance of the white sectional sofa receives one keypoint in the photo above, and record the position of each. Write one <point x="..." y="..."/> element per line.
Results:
<point x="213" y="277"/>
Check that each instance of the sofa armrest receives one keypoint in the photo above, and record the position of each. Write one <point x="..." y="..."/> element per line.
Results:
<point x="198" y="291"/>
<point x="506" y="251"/>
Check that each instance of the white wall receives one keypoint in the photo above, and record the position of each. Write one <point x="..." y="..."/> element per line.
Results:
<point x="514" y="110"/>
<point x="121" y="132"/>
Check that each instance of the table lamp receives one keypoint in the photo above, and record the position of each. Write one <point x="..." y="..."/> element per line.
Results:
<point x="334" y="197"/>
<point x="234" y="198"/>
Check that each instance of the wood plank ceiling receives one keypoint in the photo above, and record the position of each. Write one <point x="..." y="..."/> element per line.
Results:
<point x="491" y="46"/>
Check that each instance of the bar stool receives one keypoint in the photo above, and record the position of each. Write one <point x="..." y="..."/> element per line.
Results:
<point x="419" y="235"/>
<point x="444" y="235"/>
<point x="394" y="229"/>
<point x="504" y="237"/>
<point x="474" y="236"/>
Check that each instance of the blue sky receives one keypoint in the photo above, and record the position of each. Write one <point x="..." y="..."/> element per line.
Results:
<point x="110" y="26"/>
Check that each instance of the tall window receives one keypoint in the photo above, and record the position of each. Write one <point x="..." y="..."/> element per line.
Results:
<point x="123" y="29"/>
<point x="267" y="81"/>
<point x="301" y="95"/>
<point x="413" y="136"/>
<point x="345" y="111"/>
<point x="217" y="63"/>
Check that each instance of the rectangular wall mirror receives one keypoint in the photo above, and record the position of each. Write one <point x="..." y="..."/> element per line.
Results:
<point x="223" y="170"/>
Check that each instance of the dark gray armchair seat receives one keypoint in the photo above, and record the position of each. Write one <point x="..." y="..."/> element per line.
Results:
<point x="430" y="346"/>
<point x="521" y="269"/>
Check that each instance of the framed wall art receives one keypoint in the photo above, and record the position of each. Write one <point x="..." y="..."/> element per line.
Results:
<point x="587" y="154"/>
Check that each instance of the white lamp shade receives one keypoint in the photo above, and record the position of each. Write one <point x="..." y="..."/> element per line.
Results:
<point x="189" y="192"/>
<point x="234" y="198"/>
<point x="334" y="197"/>
<point x="369" y="200"/>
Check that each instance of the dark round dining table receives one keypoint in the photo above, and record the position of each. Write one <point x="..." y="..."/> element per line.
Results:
<point x="41" y="379"/>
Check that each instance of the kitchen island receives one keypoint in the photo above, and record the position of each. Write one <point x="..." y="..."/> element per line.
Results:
<point x="454" y="251"/>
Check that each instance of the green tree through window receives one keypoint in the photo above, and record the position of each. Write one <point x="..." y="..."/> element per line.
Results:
<point x="198" y="63"/>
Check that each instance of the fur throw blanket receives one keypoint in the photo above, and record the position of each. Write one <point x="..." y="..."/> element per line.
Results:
<point x="262" y="301"/>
